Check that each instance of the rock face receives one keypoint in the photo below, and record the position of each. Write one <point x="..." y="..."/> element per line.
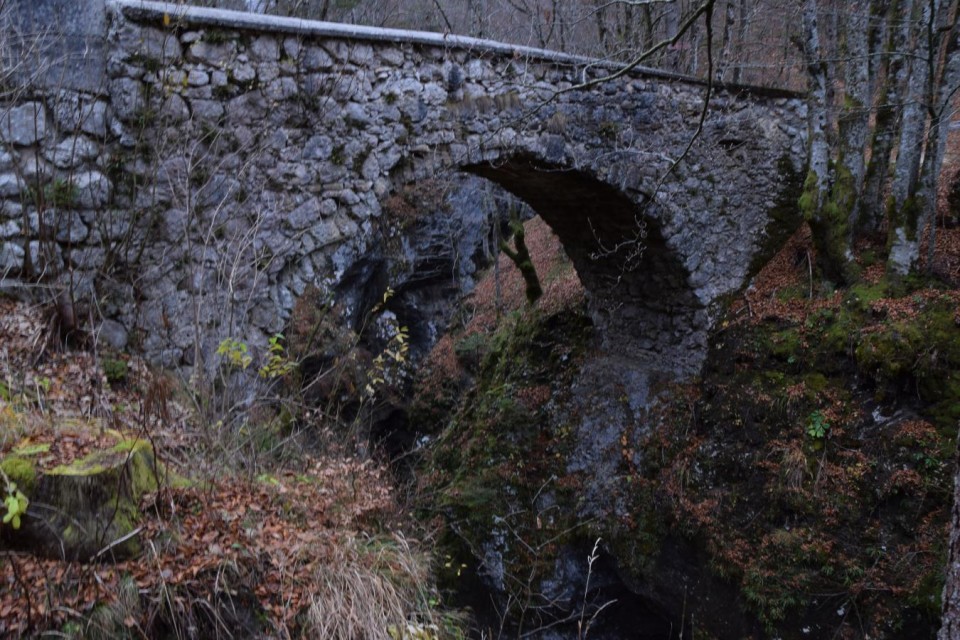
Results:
<point x="230" y="161"/>
<point x="88" y="508"/>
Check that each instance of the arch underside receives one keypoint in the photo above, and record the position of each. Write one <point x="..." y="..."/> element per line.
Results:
<point x="643" y="306"/>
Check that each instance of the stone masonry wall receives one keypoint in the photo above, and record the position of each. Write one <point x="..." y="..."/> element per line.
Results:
<point x="232" y="161"/>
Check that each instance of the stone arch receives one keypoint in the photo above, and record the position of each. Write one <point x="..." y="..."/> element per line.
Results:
<point x="643" y="304"/>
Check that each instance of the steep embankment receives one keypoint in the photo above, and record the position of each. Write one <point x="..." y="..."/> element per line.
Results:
<point x="145" y="518"/>
<point x="800" y="488"/>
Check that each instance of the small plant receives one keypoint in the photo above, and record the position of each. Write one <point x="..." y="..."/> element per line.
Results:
<point x="218" y="36"/>
<point x="235" y="353"/>
<point x="224" y="91"/>
<point x="359" y="159"/>
<point x="817" y="426"/>
<point x="609" y="130"/>
<point x="278" y="362"/>
<point x="62" y="194"/>
<point x="15" y="501"/>
<point x="115" y="371"/>
<point x="389" y="364"/>
<point x="472" y="349"/>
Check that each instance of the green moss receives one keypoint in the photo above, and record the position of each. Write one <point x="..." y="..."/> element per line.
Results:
<point x="786" y="345"/>
<point x="608" y="130"/>
<point x="754" y="468"/>
<point x="906" y="218"/>
<point x="115" y="370"/>
<point x="860" y="296"/>
<point x="218" y="36"/>
<point x="793" y="292"/>
<point x="27" y="448"/>
<point x="499" y="454"/>
<point x="809" y="196"/>
<point x="147" y="63"/>
<point x="21" y="471"/>
<point x="135" y="451"/>
<point x="828" y="216"/>
<point x="521" y="258"/>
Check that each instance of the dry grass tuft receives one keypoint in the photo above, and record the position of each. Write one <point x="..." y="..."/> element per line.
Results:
<point x="370" y="591"/>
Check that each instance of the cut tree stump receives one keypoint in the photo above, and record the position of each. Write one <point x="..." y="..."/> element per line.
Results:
<point x="86" y="509"/>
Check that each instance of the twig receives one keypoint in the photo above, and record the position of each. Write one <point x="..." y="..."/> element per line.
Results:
<point x="117" y="542"/>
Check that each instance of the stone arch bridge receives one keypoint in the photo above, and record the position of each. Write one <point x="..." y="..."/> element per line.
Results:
<point x="229" y="161"/>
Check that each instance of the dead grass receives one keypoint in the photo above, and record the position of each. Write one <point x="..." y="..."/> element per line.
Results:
<point x="370" y="590"/>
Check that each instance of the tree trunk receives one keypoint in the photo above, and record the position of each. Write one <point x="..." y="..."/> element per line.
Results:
<point x="741" y="40"/>
<point x="904" y="211"/>
<point x="950" y="629"/>
<point x="854" y="114"/>
<point x="827" y="220"/>
<point x="600" y="15"/>
<point x="726" y="38"/>
<point x="949" y="81"/>
<point x="646" y="28"/>
<point x="890" y="85"/>
<point x="521" y="258"/>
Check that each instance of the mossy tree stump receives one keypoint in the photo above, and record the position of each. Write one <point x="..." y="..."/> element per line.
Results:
<point x="85" y="509"/>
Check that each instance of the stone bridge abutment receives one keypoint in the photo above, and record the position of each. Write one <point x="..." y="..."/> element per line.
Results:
<point x="223" y="163"/>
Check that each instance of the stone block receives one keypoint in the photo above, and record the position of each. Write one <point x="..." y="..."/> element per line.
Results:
<point x="11" y="258"/>
<point x="10" y="185"/>
<point x="148" y="44"/>
<point x="113" y="334"/>
<point x="207" y="110"/>
<point x="198" y="78"/>
<point x="316" y="59"/>
<point x="127" y="99"/>
<point x="24" y="125"/>
<point x="73" y="151"/>
<point x="305" y="215"/>
<point x="175" y="109"/>
<point x="219" y="54"/>
<point x="75" y="115"/>
<point x="265" y="49"/>
<point x="281" y="89"/>
<point x="243" y="73"/>
<point x="69" y="227"/>
<point x="93" y="189"/>
<point x="9" y="229"/>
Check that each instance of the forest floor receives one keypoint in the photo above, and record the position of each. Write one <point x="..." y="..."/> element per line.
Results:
<point x="259" y="546"/>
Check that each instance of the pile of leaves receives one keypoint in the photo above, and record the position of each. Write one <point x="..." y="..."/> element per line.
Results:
<point x="266" y="538"/>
